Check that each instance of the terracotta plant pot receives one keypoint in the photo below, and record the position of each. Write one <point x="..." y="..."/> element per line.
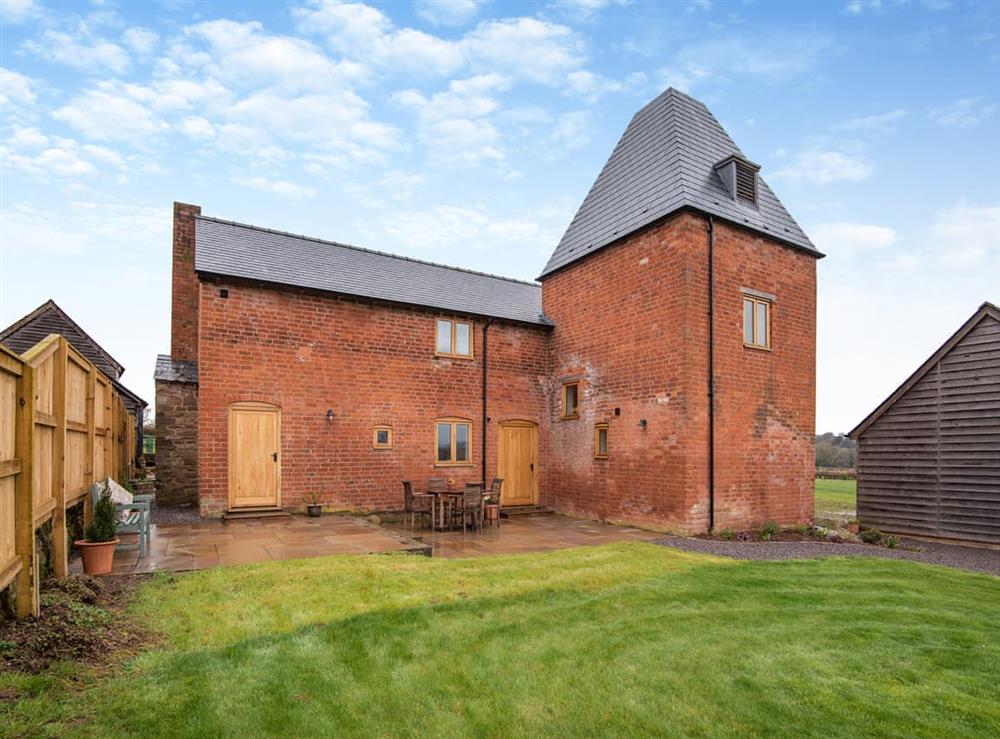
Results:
<point x="97" y="556"/>
<point x="314" y="511"/>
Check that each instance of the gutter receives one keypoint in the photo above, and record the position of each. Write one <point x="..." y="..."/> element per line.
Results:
<point x="486" y="330"/>
<point x="711" y="373"/>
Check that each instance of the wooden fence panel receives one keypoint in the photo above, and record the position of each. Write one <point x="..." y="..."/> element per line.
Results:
<point x="11" y="370"/>
<point x="62" y="426"/>
<point x="79" y="459"/>
<point x="42" y="359"/>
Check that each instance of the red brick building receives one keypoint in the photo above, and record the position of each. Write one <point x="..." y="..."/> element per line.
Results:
<point x="661" y="373"/>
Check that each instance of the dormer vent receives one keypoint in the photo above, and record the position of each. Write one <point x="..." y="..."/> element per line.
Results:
<point x="739" y="175"/>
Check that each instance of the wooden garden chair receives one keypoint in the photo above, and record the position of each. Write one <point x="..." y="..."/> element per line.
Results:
<point x="417" y="504"/>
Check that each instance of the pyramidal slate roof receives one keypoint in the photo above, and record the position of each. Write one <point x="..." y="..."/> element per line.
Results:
<point x="665" y="162"/>
<point x="249" y="252"/>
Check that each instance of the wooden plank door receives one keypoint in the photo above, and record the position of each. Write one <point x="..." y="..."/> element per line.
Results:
<point x="518" y="462"/>
<point x="254" y="455"/>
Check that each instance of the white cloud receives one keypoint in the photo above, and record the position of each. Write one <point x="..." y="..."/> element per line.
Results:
<point x="241" y="54"/>
<point x="963" y="113"/>
<point x="141" y="40"/>
<point x="526" y="48"/>
<point x="447" y="12"/>
<point x="277" y="187"/>
<point x="878" y="123"/>
<point x="592" y="87"/>
<point x="106" y="113"/>
<point x="725" y="59"/>
<point x="453" y="124"/>
<point x="366" y="33"/>
<point x="16" y="89"/>
<point x="79" y="52"/>
<point x="586" y="9"/>
<point x="30" y="151"/>
<point x="465" y="226"/>
<point x="534" y="49"/>
<point x="965" y="233"/>
<point x="844" y="238"/>
<point x="196" y="127"/>
<point x="819" y="166"/>
<point x="18" y="11"/>
<point x="572" y="130"/>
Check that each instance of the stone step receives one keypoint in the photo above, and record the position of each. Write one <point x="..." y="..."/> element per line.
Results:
<point x="525" y="510"/>
<point x="238" y="514"/>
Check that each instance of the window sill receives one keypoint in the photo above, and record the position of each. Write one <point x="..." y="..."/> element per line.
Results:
<point x="600" y="457"/>
<point x="454" y="464"/>
<point x="382" y="448"/>
<point x="466" y="357"/>
<point x="570" y="418"/>
<point x="757" y="347"/>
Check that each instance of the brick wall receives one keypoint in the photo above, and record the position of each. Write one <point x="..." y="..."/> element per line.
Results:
<point x="184" y="288"/>
<point x="631" y="325"/>
<point x="368" y="363"/>
<point x="176" y="443"/>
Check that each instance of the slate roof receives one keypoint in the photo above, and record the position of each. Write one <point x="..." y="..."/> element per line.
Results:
<point x="665" y="162"/>
<point x="249" y="252"/>
<point x="169" y="369"/>
<point x="49" y="318"/>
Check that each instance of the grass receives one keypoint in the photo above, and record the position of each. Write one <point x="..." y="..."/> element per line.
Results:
<point x="626" y="640"/>
<point x="836" y="496"/>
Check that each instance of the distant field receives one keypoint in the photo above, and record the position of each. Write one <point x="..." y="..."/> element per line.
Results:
<point x="836" y="496"/>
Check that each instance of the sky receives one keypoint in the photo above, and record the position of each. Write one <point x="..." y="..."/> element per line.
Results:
<point x="467" y="132"/>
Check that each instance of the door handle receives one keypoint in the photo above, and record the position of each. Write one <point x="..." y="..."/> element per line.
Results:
<point x="532" y="466"/>
<point x="274" y="456"/>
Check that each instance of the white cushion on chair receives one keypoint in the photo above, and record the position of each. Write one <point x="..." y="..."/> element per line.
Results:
<point x="118" y="493"/>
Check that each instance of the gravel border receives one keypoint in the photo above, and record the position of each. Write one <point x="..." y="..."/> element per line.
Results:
<point x="974" y="559"/>
<point x="174" y="514"/>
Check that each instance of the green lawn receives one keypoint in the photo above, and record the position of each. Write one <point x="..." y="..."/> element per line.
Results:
<point x="836" y="496"/>
<point x="625" y="640"/>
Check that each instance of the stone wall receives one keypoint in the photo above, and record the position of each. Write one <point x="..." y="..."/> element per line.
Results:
<point x="176" y="443"/>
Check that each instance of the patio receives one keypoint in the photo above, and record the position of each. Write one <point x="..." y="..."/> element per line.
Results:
<point x="203" y="544"/>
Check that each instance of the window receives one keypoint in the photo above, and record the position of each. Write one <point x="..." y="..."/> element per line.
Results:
<point x="571" y="400"/>
<point x="454" y="339"/>
<point x="382" y="437"/>
<point x="601" y="441"/>
<point x="756" y="322"/>
<point x="454" y="442"/>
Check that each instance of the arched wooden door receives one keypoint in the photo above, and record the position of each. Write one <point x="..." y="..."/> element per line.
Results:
<point x="254" y="455"/>
<point x="518" y="462"/>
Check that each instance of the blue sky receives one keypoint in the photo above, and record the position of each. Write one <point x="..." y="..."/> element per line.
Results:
<point x="467" y="133"/>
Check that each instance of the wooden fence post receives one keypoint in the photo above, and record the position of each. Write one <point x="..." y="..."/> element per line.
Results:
<point x="60" y="555"/>
<point x="88" y="503"/>
<point x="24" y="499"/>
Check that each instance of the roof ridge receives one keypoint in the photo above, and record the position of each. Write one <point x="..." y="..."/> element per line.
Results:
<point x="365" y="250"/>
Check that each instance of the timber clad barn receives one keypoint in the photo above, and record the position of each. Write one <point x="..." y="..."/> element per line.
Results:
<point x="662" y="373"/>
<point x="929" y="456"/>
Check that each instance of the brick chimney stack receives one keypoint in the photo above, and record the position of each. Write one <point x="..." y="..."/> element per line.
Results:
<point x="184" y="287"/>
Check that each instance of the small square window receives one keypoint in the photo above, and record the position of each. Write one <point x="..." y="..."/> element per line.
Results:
<point x="382" y="437"/>
<point x="571" y="400"/>
<point x="756" y="322"/>
<point x="453" y="339"/>
<point x="601" y="441"/>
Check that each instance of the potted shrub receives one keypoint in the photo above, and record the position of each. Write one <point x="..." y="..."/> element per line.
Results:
<point x="98" y="547"/>
<point x="314" y="505"/>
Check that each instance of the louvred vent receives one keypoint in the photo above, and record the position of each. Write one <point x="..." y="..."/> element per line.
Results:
<point x="746" y="184"/>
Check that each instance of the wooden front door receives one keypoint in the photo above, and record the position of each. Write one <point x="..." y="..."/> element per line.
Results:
<point x="254" y="455"/>
<point x="518" y="462"/>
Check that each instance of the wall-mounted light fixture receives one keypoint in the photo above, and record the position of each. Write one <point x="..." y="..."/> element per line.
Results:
<point x="329" y="415"/>
<point x="642" y="423"/>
